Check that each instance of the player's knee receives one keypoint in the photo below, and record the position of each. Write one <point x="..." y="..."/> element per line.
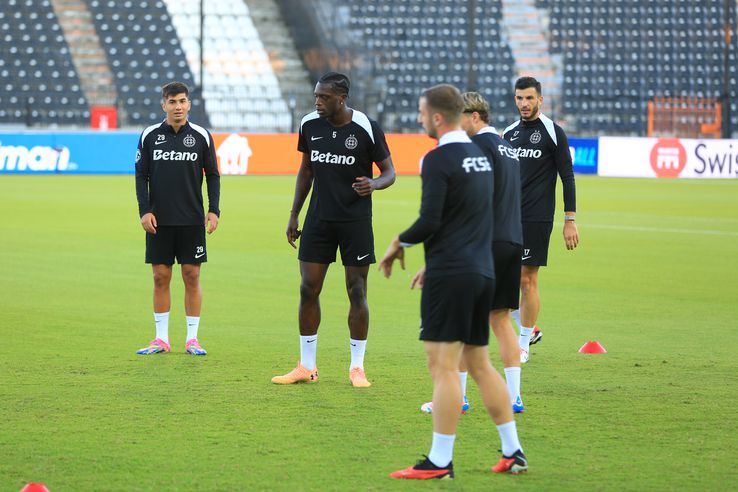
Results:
<point x="528" y="283"/>
<point x="309" y="291"/>
<point x="191" y="278"/>
<point x="162" y="279"/>
<point x="357" y="293"/>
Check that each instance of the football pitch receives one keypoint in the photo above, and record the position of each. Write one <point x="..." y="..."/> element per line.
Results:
<point x="653" y="280"/>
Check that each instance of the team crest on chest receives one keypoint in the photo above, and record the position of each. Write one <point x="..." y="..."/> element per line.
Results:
<point x="535" y="137"/>
<point x="189" y="141"/>
<point x="351" y="142"/>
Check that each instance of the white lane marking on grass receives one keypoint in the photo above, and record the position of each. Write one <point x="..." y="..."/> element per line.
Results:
<point x="674" y="230"/>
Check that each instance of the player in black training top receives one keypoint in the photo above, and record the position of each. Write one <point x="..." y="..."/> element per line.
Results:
<point x="507" y="244"/>
<point x="455" y="226"/>
<point x="170" y="161"/>
<point x="339" y="146"/>
<point x="543" y="151"/>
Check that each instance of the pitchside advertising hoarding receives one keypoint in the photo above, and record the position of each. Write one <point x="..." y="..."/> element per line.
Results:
<point x="668" y="158"/>
<point x="584" y="155"/>
<point x="115" y="153"/>
<point x="242" y="153"/>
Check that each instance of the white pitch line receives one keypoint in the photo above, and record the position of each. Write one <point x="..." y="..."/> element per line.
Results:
<point x="705" y="232"/>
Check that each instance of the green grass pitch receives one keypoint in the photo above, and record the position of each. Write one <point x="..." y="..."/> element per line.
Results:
<point x="654" y="280"/>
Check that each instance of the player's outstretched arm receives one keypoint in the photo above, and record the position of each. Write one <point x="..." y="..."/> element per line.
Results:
<point x="365" y="186"/>
<point x="303" y="184"/>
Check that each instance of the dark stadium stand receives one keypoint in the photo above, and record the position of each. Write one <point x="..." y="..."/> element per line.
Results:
<point x="417" y="44"/>
<point x="613" y="57"/>
<point x="618" y="55"/>
<point x="39" y="85"/>
<point x="144" y="53"/>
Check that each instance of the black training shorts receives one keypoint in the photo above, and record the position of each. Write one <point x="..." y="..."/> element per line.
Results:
<point x="320" y="238"/>
<point x="186" y="243"/>
<point x="507" y="274"/>
<point x="536" y="236"/>
<point x="456" y="308"/>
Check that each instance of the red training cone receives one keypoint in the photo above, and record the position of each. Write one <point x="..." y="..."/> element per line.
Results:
<point x="34" y="487"/>
<point x="592" y="347"/>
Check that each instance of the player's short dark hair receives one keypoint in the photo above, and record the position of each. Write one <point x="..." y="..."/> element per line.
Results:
<point x="340" y="82"/>
<point x="474" y="102"/>
<point x="528" y="82"/>
<point x="446" y="100"/>
<point x="174" y="88"/>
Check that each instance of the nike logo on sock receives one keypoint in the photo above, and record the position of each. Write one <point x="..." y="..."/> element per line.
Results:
<point x="311" y="341"/>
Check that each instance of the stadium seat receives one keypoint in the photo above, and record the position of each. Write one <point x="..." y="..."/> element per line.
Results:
<point x="32" y="54"/>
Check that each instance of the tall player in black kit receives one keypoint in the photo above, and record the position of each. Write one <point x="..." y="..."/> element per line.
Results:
<point x="455" y="227"/>
<point x="543" y="151"/>
<point x="339" y="146"/>
<point x="170" y="161"/>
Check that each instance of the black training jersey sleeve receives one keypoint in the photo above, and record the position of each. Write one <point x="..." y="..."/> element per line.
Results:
<point x="543" y="151"/>
<point x="456" y="218"/>
<point x="169" y="174"/>
<point x="506" y="168"/>
<point x="339" y="155"/>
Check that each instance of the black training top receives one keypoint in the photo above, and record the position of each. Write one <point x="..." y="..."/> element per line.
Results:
<point x="543" y="150"/>
<point x="506" y="167"/>
<point x="456" y="218"/>
<point x="339" y="155"/>
<point x="169" y="170"/>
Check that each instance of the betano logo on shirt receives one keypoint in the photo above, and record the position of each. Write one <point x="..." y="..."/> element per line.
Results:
<point x="330" y="158"/>
<point x="529" y="153"/>
<point x="173" y="155"/>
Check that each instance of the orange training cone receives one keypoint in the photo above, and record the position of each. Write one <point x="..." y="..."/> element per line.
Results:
<point x="592" y="347"/>
<point x="34" y="487"/>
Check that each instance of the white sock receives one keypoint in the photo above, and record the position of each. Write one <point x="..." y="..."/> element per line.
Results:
<point x="193" y="323"/>
<point x="162" y="325"/>
<point x="358" y="347"/>
<point x="509" y="437"/>
<point x="524" y="339"/>
<point x="512" y="376"/>
<point x="442" y="449"/>
<point x="308" y="351"/>
<point x="462" y="378"/>
<point x="516" y="316"/>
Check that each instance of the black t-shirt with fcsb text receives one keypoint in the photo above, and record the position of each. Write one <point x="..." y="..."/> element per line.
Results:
<point x="456" y="219"/>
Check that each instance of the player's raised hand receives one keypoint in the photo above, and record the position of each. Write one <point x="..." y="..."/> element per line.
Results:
<point x="394" y="252"/>
<point x="211" y="222"/>
<point x="292" y="230"/>
<point x="571" y="234"/>
<point x="418" y="279"/>
<point x="148" y="222"/>
<point x="363" y="186"/>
